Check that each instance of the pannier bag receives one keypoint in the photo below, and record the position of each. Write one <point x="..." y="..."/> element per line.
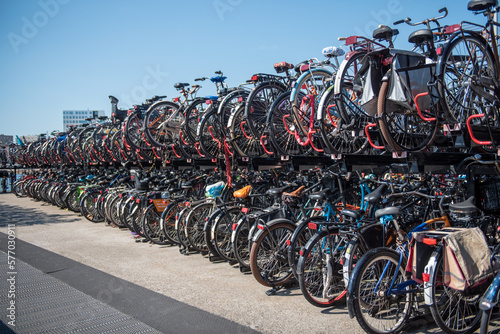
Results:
<point x="466" y="259"/>
<point x="421" y="247"/>
<point x="410" y="75"/>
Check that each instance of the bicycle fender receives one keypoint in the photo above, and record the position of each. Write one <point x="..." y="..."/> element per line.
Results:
<point x="233" y="234"/>
<point x="271" y="223"/>
<point x="321" y="105"/>
<point x="430" y="269"/>
<point x="490" y="298"/>
<point x="342" y="66"/>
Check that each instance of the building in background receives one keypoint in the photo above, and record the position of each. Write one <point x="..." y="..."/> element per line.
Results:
<point x="6" y="140"/>
<point x="77" y="117"/>
<point x="29" y="138"/>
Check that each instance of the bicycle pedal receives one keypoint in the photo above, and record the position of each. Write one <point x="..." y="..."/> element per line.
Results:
<point x="233" y="262"/>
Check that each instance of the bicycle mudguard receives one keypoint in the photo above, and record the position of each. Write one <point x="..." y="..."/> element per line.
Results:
<point x="490" y="298"/>
<point x="321" y="105"/>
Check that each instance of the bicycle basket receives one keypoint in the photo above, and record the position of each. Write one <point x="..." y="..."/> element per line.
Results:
<point x="214" y="190"/>
<point x="411" y="74"/>
<point x="489" y="194"/>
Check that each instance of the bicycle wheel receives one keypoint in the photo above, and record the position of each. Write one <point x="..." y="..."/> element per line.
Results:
<point x="168" y="217"/>
<point x="151" y="226"/>
<point x="337" y="134"/>
<point x="192" y="118"/>
<point x="268" y="257"/>
<point x="312" y="83"/>
<point x="222" y="230"/>
<point x="133" y="132"/>
<point x="258" y="103"/>
<point x="242" y="141"/>
<point x="158" y="130"/>
<point x="300" y="237"/>
<point x="210" y="135"/>
<point x="89" y="209"/>
<point x="195" y="222"/>
<point x="376" y="308"/>
<point x="181" y="236"/>
<point x="241" y="242"/>
<point x="281" y="128"/>
<point x="403" y="129"/>
<point x="465" y="58"/>
<point x="454" y="311"/>
<point x="319" y="269"/>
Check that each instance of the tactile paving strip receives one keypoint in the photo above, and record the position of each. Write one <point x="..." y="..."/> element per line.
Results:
<point x="46" y="305"/>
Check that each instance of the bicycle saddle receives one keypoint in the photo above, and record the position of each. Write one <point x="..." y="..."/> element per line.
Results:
<point x="391" y="210"/>
<point x="218" y="79"/>
<point x="356" y="214"/>
<point x="297" y="192"/>
<point x="319" y="195"/>
<point x="282" y="67"/>
<point x="277" y="191"/>
<point x="466" y="206"/>
<point x="243" y="192"/>
<point x="180" y="85"/>
<point x="479" y="5"/>
<point x="376" y="195"/>
<point x="421" y="36"/>
<point x="333" y="51"/>
<point x="385" y="32"/>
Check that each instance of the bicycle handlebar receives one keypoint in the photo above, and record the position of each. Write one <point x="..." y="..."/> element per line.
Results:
<point x="426" y="21"/>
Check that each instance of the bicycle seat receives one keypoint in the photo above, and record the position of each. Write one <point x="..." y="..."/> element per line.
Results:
<point x="218" y="79"/>
<point x="243" y="192"/>
<point x="277" y="191"/>
<point x="356" y="214"/>
<point x="466" y="206"/>
<point x="376" y="195"/>
<point x="282" y="67"/>
<point x="212" y="97"/>
<point x="384" y="32"/>
<point x="296" y="193"/>
<point x="421" y="36"/>
<point x="391" y="210"/>
<point x="479" y="5"/>
<point x="180" y="85"/>
<point x="319" y="195"/>
<point x="187" y="184"/>
<point x="333" y="51"/>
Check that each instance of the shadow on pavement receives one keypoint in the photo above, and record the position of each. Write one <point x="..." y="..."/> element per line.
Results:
<point x="10" y="214"/>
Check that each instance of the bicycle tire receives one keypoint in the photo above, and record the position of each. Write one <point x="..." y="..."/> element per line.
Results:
<point x="404" y="130"/>
<point x="284" y="142"/>
<point x="368" y="305"/>
<point x="151" y="226"/>
<point x="268" y="257"/>
<point x="319" y="274"/>
<point x="155" y="128"/>
<point x="446" y="300"/>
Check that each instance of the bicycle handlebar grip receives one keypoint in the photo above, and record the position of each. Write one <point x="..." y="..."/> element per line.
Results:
<point x="342" y="38"/>
<point x="398" y="22"/>
<point x="444" y="9"/>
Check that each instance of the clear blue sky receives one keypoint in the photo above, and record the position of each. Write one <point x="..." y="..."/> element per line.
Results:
<point x="57" y="55"/>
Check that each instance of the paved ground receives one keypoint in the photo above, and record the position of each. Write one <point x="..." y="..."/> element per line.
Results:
<point x="157" y="286"/>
